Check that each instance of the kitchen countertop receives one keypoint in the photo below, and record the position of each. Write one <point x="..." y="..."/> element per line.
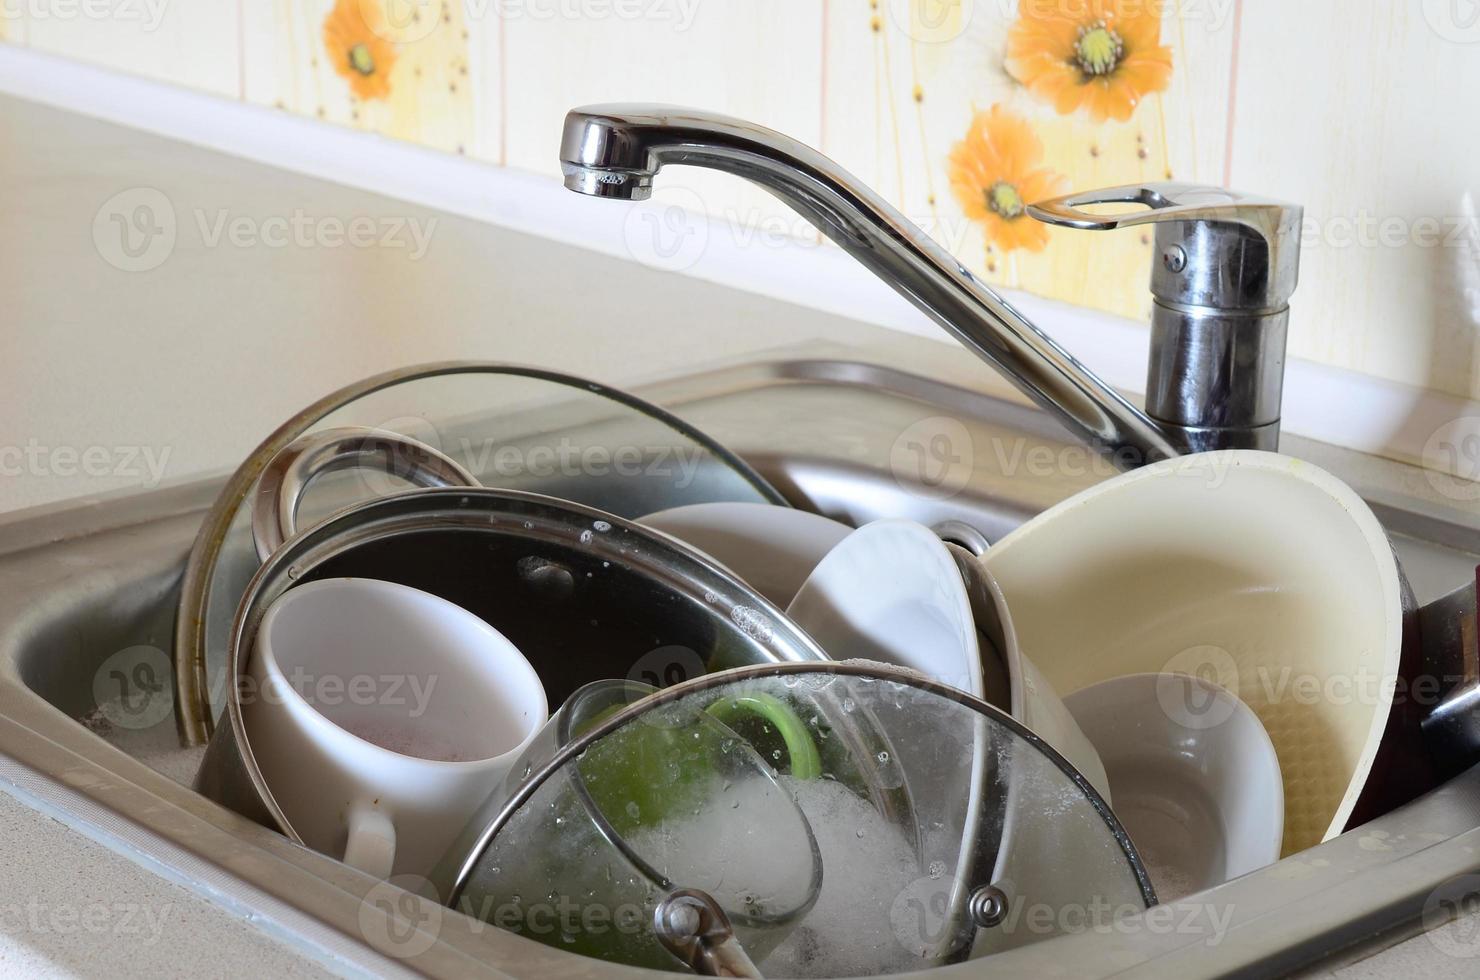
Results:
<point x="112" y="378"/>
<point x="74" y="908"/>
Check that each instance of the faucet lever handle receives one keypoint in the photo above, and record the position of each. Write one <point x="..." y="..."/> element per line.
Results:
<point x="1166" y="201"/>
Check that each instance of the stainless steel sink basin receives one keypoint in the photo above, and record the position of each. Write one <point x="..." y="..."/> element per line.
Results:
<point x="850" y="439"/>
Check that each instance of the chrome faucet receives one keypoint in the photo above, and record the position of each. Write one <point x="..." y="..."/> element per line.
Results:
<point x="1227" y="264"/>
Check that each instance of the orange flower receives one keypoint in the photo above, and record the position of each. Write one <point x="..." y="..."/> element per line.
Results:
<point x="355" y="35"/>
<point x="995" y="175"/>
<point x="1100" y="55"/>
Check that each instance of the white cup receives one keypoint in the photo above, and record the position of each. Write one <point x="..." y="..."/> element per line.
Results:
<point x="381" y="716"/>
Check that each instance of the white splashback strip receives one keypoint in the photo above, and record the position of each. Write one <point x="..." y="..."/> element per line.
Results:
<point x="1324" y="403"/>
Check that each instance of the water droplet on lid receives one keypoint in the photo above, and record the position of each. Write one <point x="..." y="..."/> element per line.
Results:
<point x="602" y="526"/>
<point x="883" y="758"/>
<point x="848" y="705"/>
<point x="587" y="537"/>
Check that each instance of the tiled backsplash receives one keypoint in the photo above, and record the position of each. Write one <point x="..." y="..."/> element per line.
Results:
<point x="957" y="110"/>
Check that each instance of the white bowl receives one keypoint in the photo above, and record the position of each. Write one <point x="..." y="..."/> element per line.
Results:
<point x="1196" y="780"/>
<point x="773" y="549"/>
<point x="1256" y="569"/>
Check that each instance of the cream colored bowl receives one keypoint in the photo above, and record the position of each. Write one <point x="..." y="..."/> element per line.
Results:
<point x="1254" y="570"/>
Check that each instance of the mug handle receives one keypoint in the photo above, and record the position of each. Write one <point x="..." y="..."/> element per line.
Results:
<point x="371" y="845"/>
<point x="806" y="762"/>
<point x="280" y="488"/>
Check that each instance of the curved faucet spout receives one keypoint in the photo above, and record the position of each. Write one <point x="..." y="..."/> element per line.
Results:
<point x="616" y="150"/>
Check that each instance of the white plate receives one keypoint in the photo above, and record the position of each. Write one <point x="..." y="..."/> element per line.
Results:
<point x="891" y="592"/>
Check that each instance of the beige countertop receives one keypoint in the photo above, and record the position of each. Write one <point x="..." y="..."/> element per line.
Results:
<point x="111" y="378"/>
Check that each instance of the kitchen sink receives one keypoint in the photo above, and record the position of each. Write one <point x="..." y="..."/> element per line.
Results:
<point x="835" y="433"/>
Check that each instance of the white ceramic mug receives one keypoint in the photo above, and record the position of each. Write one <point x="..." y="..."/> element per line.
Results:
<point x="381" y="716"/>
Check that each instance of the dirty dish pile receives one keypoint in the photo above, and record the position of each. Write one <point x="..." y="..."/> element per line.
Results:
<point x="879" y="779"/>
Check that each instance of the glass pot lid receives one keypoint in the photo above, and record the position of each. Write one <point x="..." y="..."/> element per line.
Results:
<point x="943" y="828"/>
<point x="512" y="427"/>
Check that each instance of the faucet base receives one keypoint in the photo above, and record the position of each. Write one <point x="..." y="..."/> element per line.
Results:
<point x="1203" y="439"/>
